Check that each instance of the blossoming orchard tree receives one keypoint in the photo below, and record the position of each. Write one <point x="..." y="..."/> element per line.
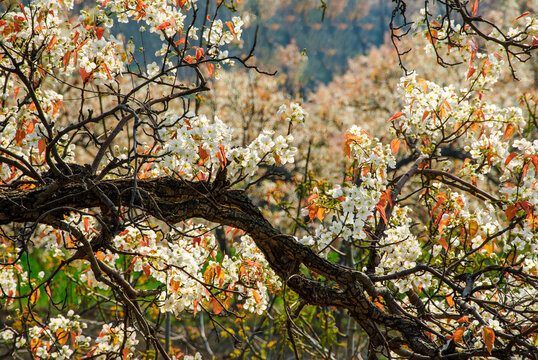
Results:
<point x="120" y="203"/>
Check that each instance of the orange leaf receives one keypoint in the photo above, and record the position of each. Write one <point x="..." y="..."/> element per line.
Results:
<point x="53" y="41"/>
<point x="463" y="319"/>
<point x="210" y="69"/>
<point x="19" y="136"/>
<point x="107" y="71"/>
<point x="312" y="212"/>
<point x="523" y="15"/>
<point x="443" y="243"/>
<point x="320" y="213"/>
<point x="474" y="7"/>
<point x="62" y="336"/>
<point x="217" y="307"/>
<point x="41" y="145"/>
<point x="181" y="3"/>
<point x="510" y="129"/>
<point x="449" y="300"/>
<point x="509" y="158"/>
<point x="256" y="297"/>
<point x="35" y="296"/>
<point x="164" y="25"/>
<point x="470" y="73"/>
<point x="425" y="115"/>
<point x="84" y="75"/>
<point x="199" y="53"/>
<point x="146" y="270"/>
<point x="66" y="58"/>
<point x="395" y="116"/>
<point x="221" y="148"/>
<point x="75" y="37"/>
<point x="230" y="26"/>
<point x="473" y="228"/>
<point x="395" y="145"/>
<point x="99" y="31"/>
<point x="458" y="334"/>
<point x="381" y="209"/>
<point x="489" y="338"/>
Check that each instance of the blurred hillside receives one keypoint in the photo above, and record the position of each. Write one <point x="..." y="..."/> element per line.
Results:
<point x="290" y="32"/>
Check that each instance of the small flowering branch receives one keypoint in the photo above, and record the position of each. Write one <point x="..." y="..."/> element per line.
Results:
<point x="373" y="259"/>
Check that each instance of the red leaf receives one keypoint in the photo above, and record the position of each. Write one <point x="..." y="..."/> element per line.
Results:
<point x="525" y="205"/>
<point x="146" y="270"/>
<point x="19" y="136"/>
<point x="511" y="212"/>
<point x="535" y="40"/>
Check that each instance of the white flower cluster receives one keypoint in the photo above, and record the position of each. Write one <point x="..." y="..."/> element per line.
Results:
<point x="524" y="179"/>
<point x="198" y="145"/>
<point x="217" y="35"/>
<point x="295" y="113"/>
<point x="10" y="277"/>
<point x="188" y="267"/>
<point x="400" y="250"/>
<point x="114" y="338"/>
<point x="49" y="342"/>
<point x="356" y="203"/>
<point x="252" y="270"/>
